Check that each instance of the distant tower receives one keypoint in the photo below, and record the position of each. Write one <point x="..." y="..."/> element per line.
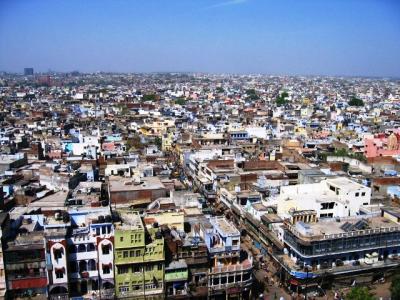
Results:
<point x="28" y="71"/>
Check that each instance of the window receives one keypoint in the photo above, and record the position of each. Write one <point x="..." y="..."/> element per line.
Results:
<point x="136" y="268"/>
<point x="121" y="239"/>
<point x="59" y="275"/>
<point x="149" y="268"/>
<point x="132" y="253"/>
<point x="106" y="249"/>
<point x="159" y="267"/>
<point x="327" y="205"/>
<point x="223" y="279"/>
<point x="106" y="270"/>
<point x="125" y="253"/>
<point x="137" y="252"/>
<point x="363" y="194"/>
<point x="124" y="289"/>
<point x="123" y="270"/>
<point x="57" y="253"/>
<point x="330" y="215"/>
<point x="357" y="194"/>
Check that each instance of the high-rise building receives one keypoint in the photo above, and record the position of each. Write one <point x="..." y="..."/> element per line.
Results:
<point x="28" y="71"/>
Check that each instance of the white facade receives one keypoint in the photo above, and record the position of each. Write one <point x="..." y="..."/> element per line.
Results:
<point x="337" y="197"/>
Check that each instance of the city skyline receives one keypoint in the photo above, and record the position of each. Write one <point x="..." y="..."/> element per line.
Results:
<point x="339" y="38"/>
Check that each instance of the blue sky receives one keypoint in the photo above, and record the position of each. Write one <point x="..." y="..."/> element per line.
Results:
<point x="327" y="37"/>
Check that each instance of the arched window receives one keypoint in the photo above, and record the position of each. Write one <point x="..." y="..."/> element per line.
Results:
<point x="92" y="265"/>
<point x="83" y="266"/>
<point x="90" y="247"/>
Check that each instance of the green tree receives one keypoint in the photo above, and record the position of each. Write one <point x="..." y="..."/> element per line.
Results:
<point x="158" y="142"/>
<point x="252" y="94"/>
<point x="282" y="99"/>
<point x="149" y="97"/>
<point x="356" y="102"/>
<point x="395" y="287"/>
<point x="180" y="101"/>
<point x="219" y="89"/>
<point x="359" y="293"/>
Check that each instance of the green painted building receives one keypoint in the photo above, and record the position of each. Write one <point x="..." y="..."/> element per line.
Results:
<point x="139" y="259"/>
<point x="176" y="276"/>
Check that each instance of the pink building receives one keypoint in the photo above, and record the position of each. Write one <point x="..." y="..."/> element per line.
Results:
<point x="382" y="145"/>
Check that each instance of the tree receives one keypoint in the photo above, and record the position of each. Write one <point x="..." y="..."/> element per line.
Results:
<point x="281" y="99"/>
<point x="158" y="142"/>
<point x="219" y="89"/>
<point x="149" y="97"/>
<point x="356" y="102"/>
<point x="252" y="95"/>
<point x="395" y="287"/>
<point x="359" y="293"/>
<point x="180" y="101"/>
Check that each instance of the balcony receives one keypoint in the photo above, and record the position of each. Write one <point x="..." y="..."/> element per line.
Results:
<point x="59" y="297"/>
<point x="222" y="248"/>
<point x="16" y="282"/>
<point x="245" y="266"/>
<point x="107" y="294"/>
<point x="176" y="276"/>
<point x="13" y="276"/>
<point x="209" y="194"/>
<point x="83" y="255"/>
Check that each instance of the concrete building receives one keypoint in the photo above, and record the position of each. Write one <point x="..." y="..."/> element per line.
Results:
<point x="139" y="259"/>
<point x="128" y="191"/>
<point x="334" y="197"/>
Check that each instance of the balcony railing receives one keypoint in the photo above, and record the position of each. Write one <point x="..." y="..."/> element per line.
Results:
<point x="107" y="294"/>
<point x="59" y="297"/>
<point x="224" y="249"/>
<point x="232" y="268"/>
<point x="12" y="276"/>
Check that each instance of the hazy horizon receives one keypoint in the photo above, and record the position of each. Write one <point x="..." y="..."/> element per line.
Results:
<point x="353" y="38"/>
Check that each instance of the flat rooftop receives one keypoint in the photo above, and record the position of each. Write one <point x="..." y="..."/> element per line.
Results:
<point x="130" y="220"/>
<point x="225" y="227"/>
<point x="56" y="200"/>
<point x="345" y="183"/>
<point x="121" y="184"/>
<point x="333" y="227"/>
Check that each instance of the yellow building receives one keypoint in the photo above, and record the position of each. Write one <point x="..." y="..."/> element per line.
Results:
<point x="172" y="218"/>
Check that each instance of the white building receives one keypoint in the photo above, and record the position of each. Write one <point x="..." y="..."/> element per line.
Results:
<point x="91" y="251"/>
<point x="336" y="197"/>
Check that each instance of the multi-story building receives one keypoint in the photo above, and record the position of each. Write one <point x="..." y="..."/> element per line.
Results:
<point x="140" y="192"/>
<point x="176" y="276"/>
<point x="139" y="259"/>
<point x="3" y="223"/>
<point x="90" y="248"/>
<point x="55" y="234"/>
<point x="230" y="273"/>
<point x="333" y="197"/>
<point x="367" y="245"/>
<point x="25" y="261"/>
